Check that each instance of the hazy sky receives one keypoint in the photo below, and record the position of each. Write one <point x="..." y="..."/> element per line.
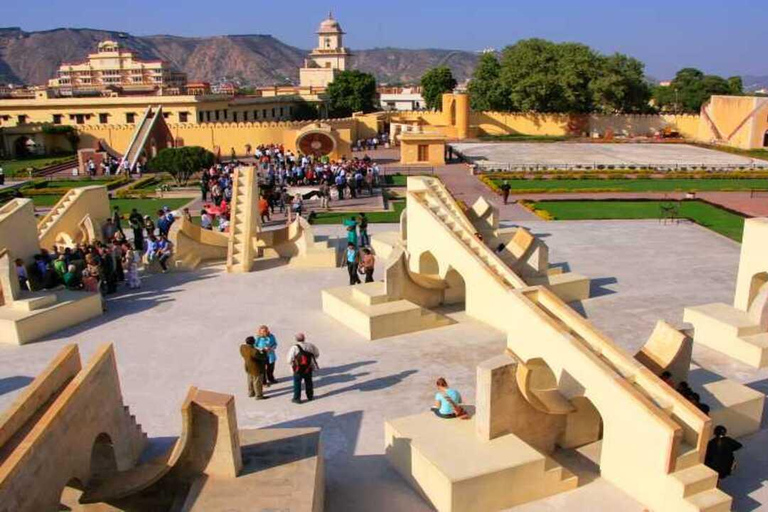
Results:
<point x="723" y="37"/>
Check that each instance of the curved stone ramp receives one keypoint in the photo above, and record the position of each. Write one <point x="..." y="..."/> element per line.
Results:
<point x="667" y="349"/>
<point x="195" y="245"/>
<point x="139" y="478"/>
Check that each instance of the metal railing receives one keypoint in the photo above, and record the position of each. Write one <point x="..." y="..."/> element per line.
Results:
<point x="491" y="167"/>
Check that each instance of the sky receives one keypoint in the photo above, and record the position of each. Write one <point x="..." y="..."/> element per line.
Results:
<point x="721" y="37"/>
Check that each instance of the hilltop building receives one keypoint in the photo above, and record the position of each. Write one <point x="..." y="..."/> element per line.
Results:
<point x="115" y="68"/>
<point x="330" y="56"/>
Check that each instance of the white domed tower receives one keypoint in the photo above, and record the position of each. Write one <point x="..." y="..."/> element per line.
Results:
<point x="328" y="58"/>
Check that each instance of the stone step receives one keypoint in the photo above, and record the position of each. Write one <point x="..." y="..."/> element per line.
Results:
<point x="713" y="500"/>
<point x="695" y="479"/>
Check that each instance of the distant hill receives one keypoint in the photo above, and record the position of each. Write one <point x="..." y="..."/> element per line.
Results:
<point x="33" y="57"/>
<point x="754" y="83"/>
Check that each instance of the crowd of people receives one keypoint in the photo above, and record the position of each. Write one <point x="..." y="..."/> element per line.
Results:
<point x="111" y="166"/>
<point x="101" y="266"/>
<point x="280" y="169"/>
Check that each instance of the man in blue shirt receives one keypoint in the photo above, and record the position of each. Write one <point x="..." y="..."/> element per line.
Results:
<point x="447" y="401"/>
<point x="353" y="262"/>
<point x="266" y="341"/>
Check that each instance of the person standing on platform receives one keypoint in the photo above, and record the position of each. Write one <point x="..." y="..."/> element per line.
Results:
<point x="267" y="343"/>
<point x="303" y="360"/>
<point x="254" y="367"/>
<point x="352" y="259"/>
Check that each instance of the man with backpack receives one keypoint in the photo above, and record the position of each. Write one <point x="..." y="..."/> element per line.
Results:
<point x="303" y="360"/>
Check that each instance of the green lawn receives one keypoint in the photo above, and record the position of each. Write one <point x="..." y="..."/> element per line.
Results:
<point x="145" y="206"/>
<point x="11" y="167"/>
<point x="77" y="183"/>
<point x="392" y="217"/>
<point x="707" y="215"/>
<point x="638" y="185"/>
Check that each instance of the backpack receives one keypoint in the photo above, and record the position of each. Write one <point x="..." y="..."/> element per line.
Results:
<point x="303" y="361"/>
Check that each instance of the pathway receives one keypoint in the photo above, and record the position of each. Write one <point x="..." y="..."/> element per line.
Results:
<point x="460" y="182"/>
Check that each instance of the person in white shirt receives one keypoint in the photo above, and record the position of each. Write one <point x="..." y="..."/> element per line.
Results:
<point x="205" y="221"/>
<point x="302" y="357"/>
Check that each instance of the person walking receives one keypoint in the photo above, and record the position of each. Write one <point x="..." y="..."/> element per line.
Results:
<point x="365" y="240"/>
<point x="303" y="360"/>
<point x="367" y="262"/>
<point x="254" y="367"/>
<point x="267" y="343"/>
<point x="353" y="263"/>
<point x="351" y="227"/>
<point x="505" y="188"/>
<point x="720" y="451"/>
<point x="136" y="222"/>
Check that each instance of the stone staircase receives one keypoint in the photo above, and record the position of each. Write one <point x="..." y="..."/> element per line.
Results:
<point x="730" y="330"/>
<point x="56" y="212"/>
<point x="140" y="136"/>
<point x="690" y="480"/>
<point x="240" y="253"/>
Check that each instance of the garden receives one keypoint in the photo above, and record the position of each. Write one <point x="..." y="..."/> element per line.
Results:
<point x="717" y="219"/>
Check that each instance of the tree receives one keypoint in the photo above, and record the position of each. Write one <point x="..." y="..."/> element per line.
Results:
<point x="691" y="88"/>
<point x="434" y="83"/>
<point x="736" y="85"/>
<point x="304" y="111"/>
<point x="485" y="90"/>
<point x="68" y="132"/>
<point x="182" y="163"/>
<point x="351" y="91"/>
<point x="620" y="86"/>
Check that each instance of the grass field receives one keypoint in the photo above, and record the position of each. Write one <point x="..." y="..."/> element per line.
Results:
<point x="392" y="217"/>
<point x="12" y="167"/>
<point x="704" y="214"/>
<point x="77" y="183"/>
<point x="637" y="185"/>
<point x="145" y="206"/>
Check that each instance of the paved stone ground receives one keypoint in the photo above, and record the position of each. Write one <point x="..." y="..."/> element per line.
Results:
<point x="184" y="329"/>
<point x="561" y="153"/>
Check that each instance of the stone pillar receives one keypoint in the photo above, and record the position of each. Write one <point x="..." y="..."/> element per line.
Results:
<point x="462" y="115"/>
<point x="215" y="430"/>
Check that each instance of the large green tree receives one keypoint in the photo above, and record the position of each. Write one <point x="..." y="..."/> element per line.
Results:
<point x="691" y="88"/>
<point x="535" y="75"/>
<point x="434" y="83"/>
<point x="182" y="163"/>
<point x="619" y="85"/>
<point x="351" y="91"/>
<point x="485" y="90"/>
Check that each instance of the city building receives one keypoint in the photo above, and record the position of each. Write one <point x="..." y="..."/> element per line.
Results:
<point x="115" y="68"/>
<point x="330" y="56"/>
<point x="401" y="98"/>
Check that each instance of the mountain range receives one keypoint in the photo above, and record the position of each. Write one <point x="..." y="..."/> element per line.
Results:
<point x="31" y="58"/>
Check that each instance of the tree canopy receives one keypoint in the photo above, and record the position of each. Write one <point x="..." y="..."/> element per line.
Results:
<point x="182" y="163"/>
<point x="535" y="75"/>
<point x="434" y="83"/>
<point x="691" y="88"/>
<point x="351" y="91"/>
